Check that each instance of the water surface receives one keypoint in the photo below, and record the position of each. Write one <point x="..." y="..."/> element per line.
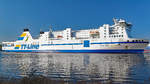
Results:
<point x="74" y="67"/>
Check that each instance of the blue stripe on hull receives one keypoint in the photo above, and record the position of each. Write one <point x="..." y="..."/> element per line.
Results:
<point x="93" y="43"/>
<point x="82" y="51"/>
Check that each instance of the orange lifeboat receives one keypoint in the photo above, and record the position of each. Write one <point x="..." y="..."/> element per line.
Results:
<point x="59" y="36"/>
<point x="94" y="32"/>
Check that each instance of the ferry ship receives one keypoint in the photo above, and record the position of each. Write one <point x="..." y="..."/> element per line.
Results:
<point x="107" y="38"/>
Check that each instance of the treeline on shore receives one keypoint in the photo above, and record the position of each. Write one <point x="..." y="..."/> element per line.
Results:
<point x="0" y="47"/>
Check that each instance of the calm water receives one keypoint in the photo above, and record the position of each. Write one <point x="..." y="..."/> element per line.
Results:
<point x="117" y="68"/>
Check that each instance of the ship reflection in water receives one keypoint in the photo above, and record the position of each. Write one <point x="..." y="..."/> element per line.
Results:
<point x="73" y="67"/>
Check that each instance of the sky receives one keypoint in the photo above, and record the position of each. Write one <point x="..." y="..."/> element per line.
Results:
<point x="15" y="15"/>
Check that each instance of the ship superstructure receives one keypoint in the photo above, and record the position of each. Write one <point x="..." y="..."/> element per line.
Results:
<point x="107" y="38"/>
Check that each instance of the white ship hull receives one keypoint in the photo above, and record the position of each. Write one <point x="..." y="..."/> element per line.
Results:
<point x="105" y="39"/>
<point x="82" y="47"/>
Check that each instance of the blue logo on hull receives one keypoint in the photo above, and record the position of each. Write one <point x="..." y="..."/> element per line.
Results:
<point x="29" y="46"/>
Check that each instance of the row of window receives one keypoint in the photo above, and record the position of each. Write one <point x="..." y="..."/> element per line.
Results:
<point x="116" y="36"/>
<point x="136" y="41"/>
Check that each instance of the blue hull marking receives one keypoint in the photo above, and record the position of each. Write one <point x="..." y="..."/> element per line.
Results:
<point x="86" y="43"/>
<point x="83" y="51"/>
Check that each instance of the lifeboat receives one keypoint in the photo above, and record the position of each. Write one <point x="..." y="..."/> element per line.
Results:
<point x="59" y="36"/>
<point x="94" y="32"/>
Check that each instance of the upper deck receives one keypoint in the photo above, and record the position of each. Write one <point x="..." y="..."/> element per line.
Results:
<point x="118" y="32"/>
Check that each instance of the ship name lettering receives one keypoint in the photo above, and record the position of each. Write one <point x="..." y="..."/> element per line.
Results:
<point x="29" y="46"/>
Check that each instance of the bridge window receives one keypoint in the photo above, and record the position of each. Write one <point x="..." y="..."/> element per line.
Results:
<point x="7" y="45"/>
<point x="12" y="44"/>
<point x="3" y="45"/>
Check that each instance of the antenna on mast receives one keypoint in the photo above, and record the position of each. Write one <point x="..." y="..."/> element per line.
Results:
<point x="50" y="28"/>
<point x="50" y="31"/>
<point x="115" y="21"/>
<point x="29" y="26"/>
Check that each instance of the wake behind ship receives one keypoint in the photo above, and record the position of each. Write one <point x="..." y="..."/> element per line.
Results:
<point x="105" y="39"/>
